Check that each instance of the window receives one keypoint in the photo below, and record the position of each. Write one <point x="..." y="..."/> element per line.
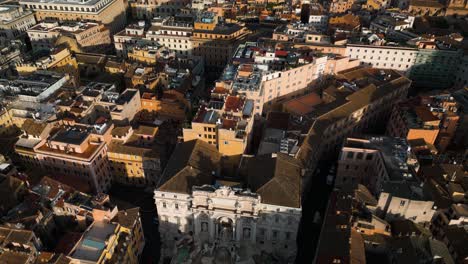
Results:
<point x="246" y="233"/>
<point x="176" y="206"/>
<point x="360" y="156"/>
<point x="369" y="156"/>
<point x="349" y="155"/>
<point x="204" y="226"/>
<point x="164" y="205"/>
<point x="402" y="203"/>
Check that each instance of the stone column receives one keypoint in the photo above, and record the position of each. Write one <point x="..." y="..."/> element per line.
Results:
<point x="196" y="226"/>
<point x="238" y="229"/>
<point x="211" y="228"/>
<point x="253" y="231"/>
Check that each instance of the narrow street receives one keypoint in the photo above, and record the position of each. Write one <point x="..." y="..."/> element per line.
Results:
<point x="127" y="197"/>
<point x="315" y="199"/>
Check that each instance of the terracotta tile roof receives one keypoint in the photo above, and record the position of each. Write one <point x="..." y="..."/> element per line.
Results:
<point x="33" y="128"/>
<point x="425" y="114"/>
<point x="229" y="123"/>
<point x="303" y="105"/>
<point x="281" y="53"/>
<point x="278" y="180"/>
<point x="220" y="90"/>
<point x="233" y="103"/>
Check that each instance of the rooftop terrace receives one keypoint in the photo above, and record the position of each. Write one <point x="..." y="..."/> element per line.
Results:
<point x="394" y="152"/>
<point x="94" y="241"/>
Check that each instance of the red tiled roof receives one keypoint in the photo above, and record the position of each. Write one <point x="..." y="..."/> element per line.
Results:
<point x="233" y="103"/>
<point x="425" y="114"/>
<point x="304" y="104"/>
<point x="246" y="67"/>
<point x="220" y="90"/>
<point x="281" y="53"/>
<point x="101" y="120"/>
<point x="229" y="123"/>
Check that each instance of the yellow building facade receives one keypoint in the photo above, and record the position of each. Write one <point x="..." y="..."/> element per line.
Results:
<point x="132" y="159"/>
<point x="7" y="126"/>
<point x="60" y="60"/>
<point x="216" y="42"/>
<point x="144" y="55"/>
<point x="169" y="105"/>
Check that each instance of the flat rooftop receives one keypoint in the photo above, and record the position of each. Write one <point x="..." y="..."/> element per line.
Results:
<point x="33" y="84"/>
<point x="206" y="116"/>
<point x="70" y="136"/>
<point x="63" y="2"/>
<point x="393" y="150"/>
<point x="126" y="96"/>
<point x="94" y="240"/>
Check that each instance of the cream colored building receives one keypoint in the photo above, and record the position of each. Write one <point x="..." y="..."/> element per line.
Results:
<point x="383" y="57"/>
<point x="336" y="64"/>
<point x="80" y="152"/>
<point x="14" y="21"/>
<point x="80" y="36"/>
<point x="265" y="217"/>
<point x="111" y="13"/>
<point x="405" y="200"/>
<point x="262" y="74"/>
<point x="128" y="37"/>
<point x="126" y="106"/>
<point x="172" y="34"/>
<point x="142" y="9"/>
